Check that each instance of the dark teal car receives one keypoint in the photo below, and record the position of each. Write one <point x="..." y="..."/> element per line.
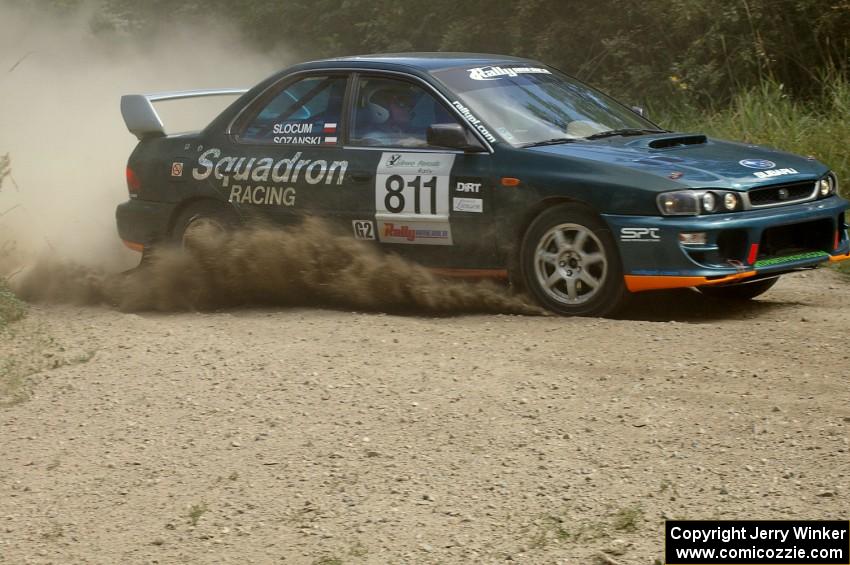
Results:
<point x="485" y="165"/>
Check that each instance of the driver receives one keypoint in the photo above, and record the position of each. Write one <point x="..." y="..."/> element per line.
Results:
<point x="391" y="115"/>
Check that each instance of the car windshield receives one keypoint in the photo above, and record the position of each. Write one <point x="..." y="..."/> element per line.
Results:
<point x="536" y="105"/>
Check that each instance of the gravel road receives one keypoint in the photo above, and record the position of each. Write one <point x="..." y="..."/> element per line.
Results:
<point x="329" y="437"/>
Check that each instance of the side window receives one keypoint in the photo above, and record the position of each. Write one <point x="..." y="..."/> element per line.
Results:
<point x="395" y="113"/>
<point x="306" y="112"/>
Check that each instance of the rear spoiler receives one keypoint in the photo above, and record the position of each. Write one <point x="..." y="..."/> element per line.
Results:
<point x="143" y="121"/>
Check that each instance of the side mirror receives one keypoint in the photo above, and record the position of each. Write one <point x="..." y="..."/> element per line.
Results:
<point x="452" y="136"/>
<point x="639" y="111"/>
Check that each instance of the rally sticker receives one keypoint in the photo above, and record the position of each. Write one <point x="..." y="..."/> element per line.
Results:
<point x="467" y="205"/>
<point x="412" y="198"/>
<point x="416" y="232"/>
<point x="494" y="73"/>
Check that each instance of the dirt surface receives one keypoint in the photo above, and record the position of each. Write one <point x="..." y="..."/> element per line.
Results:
<point x="325" y="437"/>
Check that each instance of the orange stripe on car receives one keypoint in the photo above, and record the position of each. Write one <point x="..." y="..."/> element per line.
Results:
<point x="839" y="258"/>
<point x="134" y="246"/>
<point x="639" y="283"/>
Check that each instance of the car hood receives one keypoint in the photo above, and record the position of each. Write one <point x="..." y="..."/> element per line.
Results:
<point x="694" y="160"/>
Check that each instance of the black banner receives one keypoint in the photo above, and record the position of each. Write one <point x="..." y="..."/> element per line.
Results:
<point x="757" y="542"/>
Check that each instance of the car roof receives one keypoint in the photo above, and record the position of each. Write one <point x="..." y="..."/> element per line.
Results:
<point x="420" y="61"/>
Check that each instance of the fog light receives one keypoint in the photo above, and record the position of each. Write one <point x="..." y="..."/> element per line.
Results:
<point x="693" y="238"/>
<point x="708" y="202"/>
<point x="730" y="201"/>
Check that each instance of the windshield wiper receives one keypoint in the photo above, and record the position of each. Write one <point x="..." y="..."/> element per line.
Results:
<point x="625" y="131"/>
<point x="553" y="141"/>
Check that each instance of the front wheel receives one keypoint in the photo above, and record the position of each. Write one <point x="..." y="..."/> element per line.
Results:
<point x="570" y="263"/>
<point x="739" y="291"/>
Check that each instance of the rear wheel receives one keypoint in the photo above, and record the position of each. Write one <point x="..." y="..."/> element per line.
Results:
<point x="570" y="263"/>
<point x="205" y="215"/>
<point x="739" y="291"/>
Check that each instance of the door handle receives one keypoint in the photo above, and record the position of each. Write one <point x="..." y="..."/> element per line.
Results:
<point x="361" y="177"/>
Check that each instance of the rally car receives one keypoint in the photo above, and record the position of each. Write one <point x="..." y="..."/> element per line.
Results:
<point x="486" y="165"/>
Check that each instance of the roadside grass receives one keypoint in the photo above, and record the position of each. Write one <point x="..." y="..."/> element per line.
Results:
<point x="555" y="529"/>
<point x="196" y="511"/>
<point x="767" y="115"/>
<point x="328" y="560"/>
<point x="12" y="308"/>
<point x="25" y="350"/>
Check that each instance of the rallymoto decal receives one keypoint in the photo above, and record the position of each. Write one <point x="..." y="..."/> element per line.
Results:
<point x="429" y="233"/>
<point x="493" y="73"/>
<point x="467" y="205"/>
<point x="412" y="198"/>
<point x="469" y="117"/>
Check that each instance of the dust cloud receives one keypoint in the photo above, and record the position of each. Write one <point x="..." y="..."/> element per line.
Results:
<point x="303" y="266"/>
<point x="60" y="86"/>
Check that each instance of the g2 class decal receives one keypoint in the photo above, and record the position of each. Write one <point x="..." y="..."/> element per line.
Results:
<point x="412" y="198"/>
<point x="363" y="229"/>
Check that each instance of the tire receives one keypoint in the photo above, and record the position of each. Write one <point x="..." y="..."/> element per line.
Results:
<point x="570" y="263"/>
<point x="203" y="213"/>
<point x="739" y="291"/>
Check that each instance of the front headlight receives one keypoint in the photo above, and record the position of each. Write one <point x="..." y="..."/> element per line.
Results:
<point x="695" y="202"/>
<point x="827" y="185"/>
<point x="679" y="203"/>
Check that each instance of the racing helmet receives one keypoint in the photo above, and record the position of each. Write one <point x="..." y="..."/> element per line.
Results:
<point x="378" y="99"/>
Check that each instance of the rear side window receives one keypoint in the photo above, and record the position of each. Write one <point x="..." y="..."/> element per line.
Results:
<point x="307" y="112"/>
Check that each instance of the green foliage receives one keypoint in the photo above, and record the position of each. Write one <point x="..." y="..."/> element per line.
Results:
<point x="639" y="51"/>
<point x="4" y="168"/>
<point x="11" y="308"/>
<point x="766" y="114"/>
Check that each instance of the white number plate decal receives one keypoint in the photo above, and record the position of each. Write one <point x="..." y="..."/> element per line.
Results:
<point x="412" y="198"/>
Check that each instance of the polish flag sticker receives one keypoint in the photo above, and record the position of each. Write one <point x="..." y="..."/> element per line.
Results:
<point x="329" y="128"/>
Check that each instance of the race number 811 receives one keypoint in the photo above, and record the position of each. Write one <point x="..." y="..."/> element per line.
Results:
<point x="396" y="202"/>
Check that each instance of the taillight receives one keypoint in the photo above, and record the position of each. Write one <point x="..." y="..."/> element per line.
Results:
<point x="134" y="185"/>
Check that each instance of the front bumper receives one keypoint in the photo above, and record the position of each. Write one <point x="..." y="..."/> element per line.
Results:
<point x="738" y="246"/>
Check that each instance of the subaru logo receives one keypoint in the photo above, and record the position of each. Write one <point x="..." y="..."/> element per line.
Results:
<point x="757" y="163"/>
<point x="783" y="194"/>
